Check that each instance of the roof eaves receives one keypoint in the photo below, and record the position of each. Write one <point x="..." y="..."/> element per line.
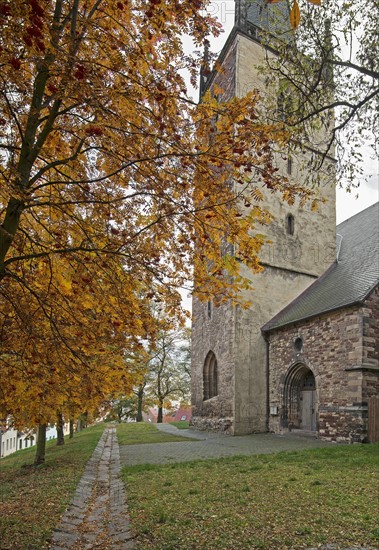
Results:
<point x="268" y="327"/>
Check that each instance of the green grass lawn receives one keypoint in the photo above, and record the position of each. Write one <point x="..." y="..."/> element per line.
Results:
<point x="287" y="500"/>
<point x="132" y="433"/>
<point x="181" y="424"/>
<point x="33" y="498"/>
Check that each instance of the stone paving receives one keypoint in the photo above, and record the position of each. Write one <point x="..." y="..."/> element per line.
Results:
<point x="213" y="445"/>
<point x="97" y="517"/>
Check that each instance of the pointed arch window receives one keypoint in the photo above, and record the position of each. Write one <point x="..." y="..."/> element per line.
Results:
<point x="290" y="224"/>
<point x="210" y="375"/>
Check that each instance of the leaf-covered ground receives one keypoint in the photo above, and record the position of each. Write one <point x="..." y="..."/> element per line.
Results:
<point x="141" y="432"/>
<point x="32" y="499"/>
<point x="287" y="500"/>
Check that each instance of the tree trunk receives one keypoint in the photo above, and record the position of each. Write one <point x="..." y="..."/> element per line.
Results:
<point x="60" y="434"/>
<point x="82" y="422"/>
<point x="9" y="228"/>
<point x="160" y="401"/>
<point x="71" y="428"/>
<point x="160" y="413"/>
<point x="139" y="417"/>
<point x="41" y="445"/>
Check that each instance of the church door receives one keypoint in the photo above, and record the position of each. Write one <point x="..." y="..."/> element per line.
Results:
<point x="307" y="410"/>
<point x="308" y="403"/>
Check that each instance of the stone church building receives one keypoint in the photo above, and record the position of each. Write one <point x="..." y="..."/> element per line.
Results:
<point x="305" y="356"/>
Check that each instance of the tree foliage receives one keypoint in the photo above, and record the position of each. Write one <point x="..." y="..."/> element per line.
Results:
<point x="169" y="374"/>
<point x="329" y="73"/>
<point x="110" y="179"/>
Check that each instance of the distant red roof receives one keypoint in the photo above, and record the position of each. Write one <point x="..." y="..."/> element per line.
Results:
<point x="183" y="413"/>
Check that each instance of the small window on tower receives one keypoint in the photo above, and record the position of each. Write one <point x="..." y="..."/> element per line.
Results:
<point x="289" y="166"/>
<point x="290" y="224"/>
<point x="209" y="307"/>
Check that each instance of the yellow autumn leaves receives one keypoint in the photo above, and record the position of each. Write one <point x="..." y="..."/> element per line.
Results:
<point x="295" y="14"/>
<point x="120" y="186"/>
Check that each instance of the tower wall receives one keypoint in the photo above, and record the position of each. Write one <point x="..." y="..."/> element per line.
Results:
<point x="213" y="328"/>
<point x="291" y="263"/>
<point x="214" y="332"/>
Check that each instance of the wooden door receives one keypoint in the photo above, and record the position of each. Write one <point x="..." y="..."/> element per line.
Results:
<point x="307" y="410"/>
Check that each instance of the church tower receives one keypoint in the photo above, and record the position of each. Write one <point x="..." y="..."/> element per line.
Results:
<point x="230" y="375"/>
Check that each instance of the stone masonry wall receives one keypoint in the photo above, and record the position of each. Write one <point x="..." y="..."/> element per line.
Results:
<point x="215" y="332"/>
<point x="341" y="355"/>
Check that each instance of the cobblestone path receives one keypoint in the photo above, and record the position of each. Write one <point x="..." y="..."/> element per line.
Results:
<point x="97" y="517"/>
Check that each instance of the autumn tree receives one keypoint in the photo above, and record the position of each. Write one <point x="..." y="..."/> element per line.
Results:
<point x="110" y="178"/>
<point x="329" y="77"/>
<point x="123" y="408"/>
<point x="131" y="406"/>
<point x="67" y="350"/>
<point x="169" y="367"/>
<point x="130" y="402"/>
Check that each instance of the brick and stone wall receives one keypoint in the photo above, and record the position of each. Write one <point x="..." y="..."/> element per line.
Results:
<point x="340" y="348"/>
<point x="370" y="318"/>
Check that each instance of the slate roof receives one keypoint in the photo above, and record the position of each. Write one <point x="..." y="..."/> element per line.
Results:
<point x="349" y="280"/>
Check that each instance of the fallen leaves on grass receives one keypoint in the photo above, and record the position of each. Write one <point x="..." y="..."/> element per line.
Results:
<point x="33" y="498"/>
<point x="283" y="501"/>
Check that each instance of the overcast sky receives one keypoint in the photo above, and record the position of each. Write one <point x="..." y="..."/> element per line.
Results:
<point x="348" y="204"/>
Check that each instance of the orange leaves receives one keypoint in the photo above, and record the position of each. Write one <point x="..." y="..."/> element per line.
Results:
<point x="80" y="71"/>
<point x="5" y="9"/>
<point x="93" y="130"/>
<point x="295" y="15"/>
<point x="85" y="310"/>
<point x="34" y="30"/>
<point x="16" y="63"/>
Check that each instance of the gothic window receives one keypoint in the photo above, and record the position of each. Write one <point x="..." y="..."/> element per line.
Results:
<point x="210" y="376"/>
<point x="290" y="224"/>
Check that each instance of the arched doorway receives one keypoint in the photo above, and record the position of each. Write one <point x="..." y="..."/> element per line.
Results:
<point x="299" y="399"/>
